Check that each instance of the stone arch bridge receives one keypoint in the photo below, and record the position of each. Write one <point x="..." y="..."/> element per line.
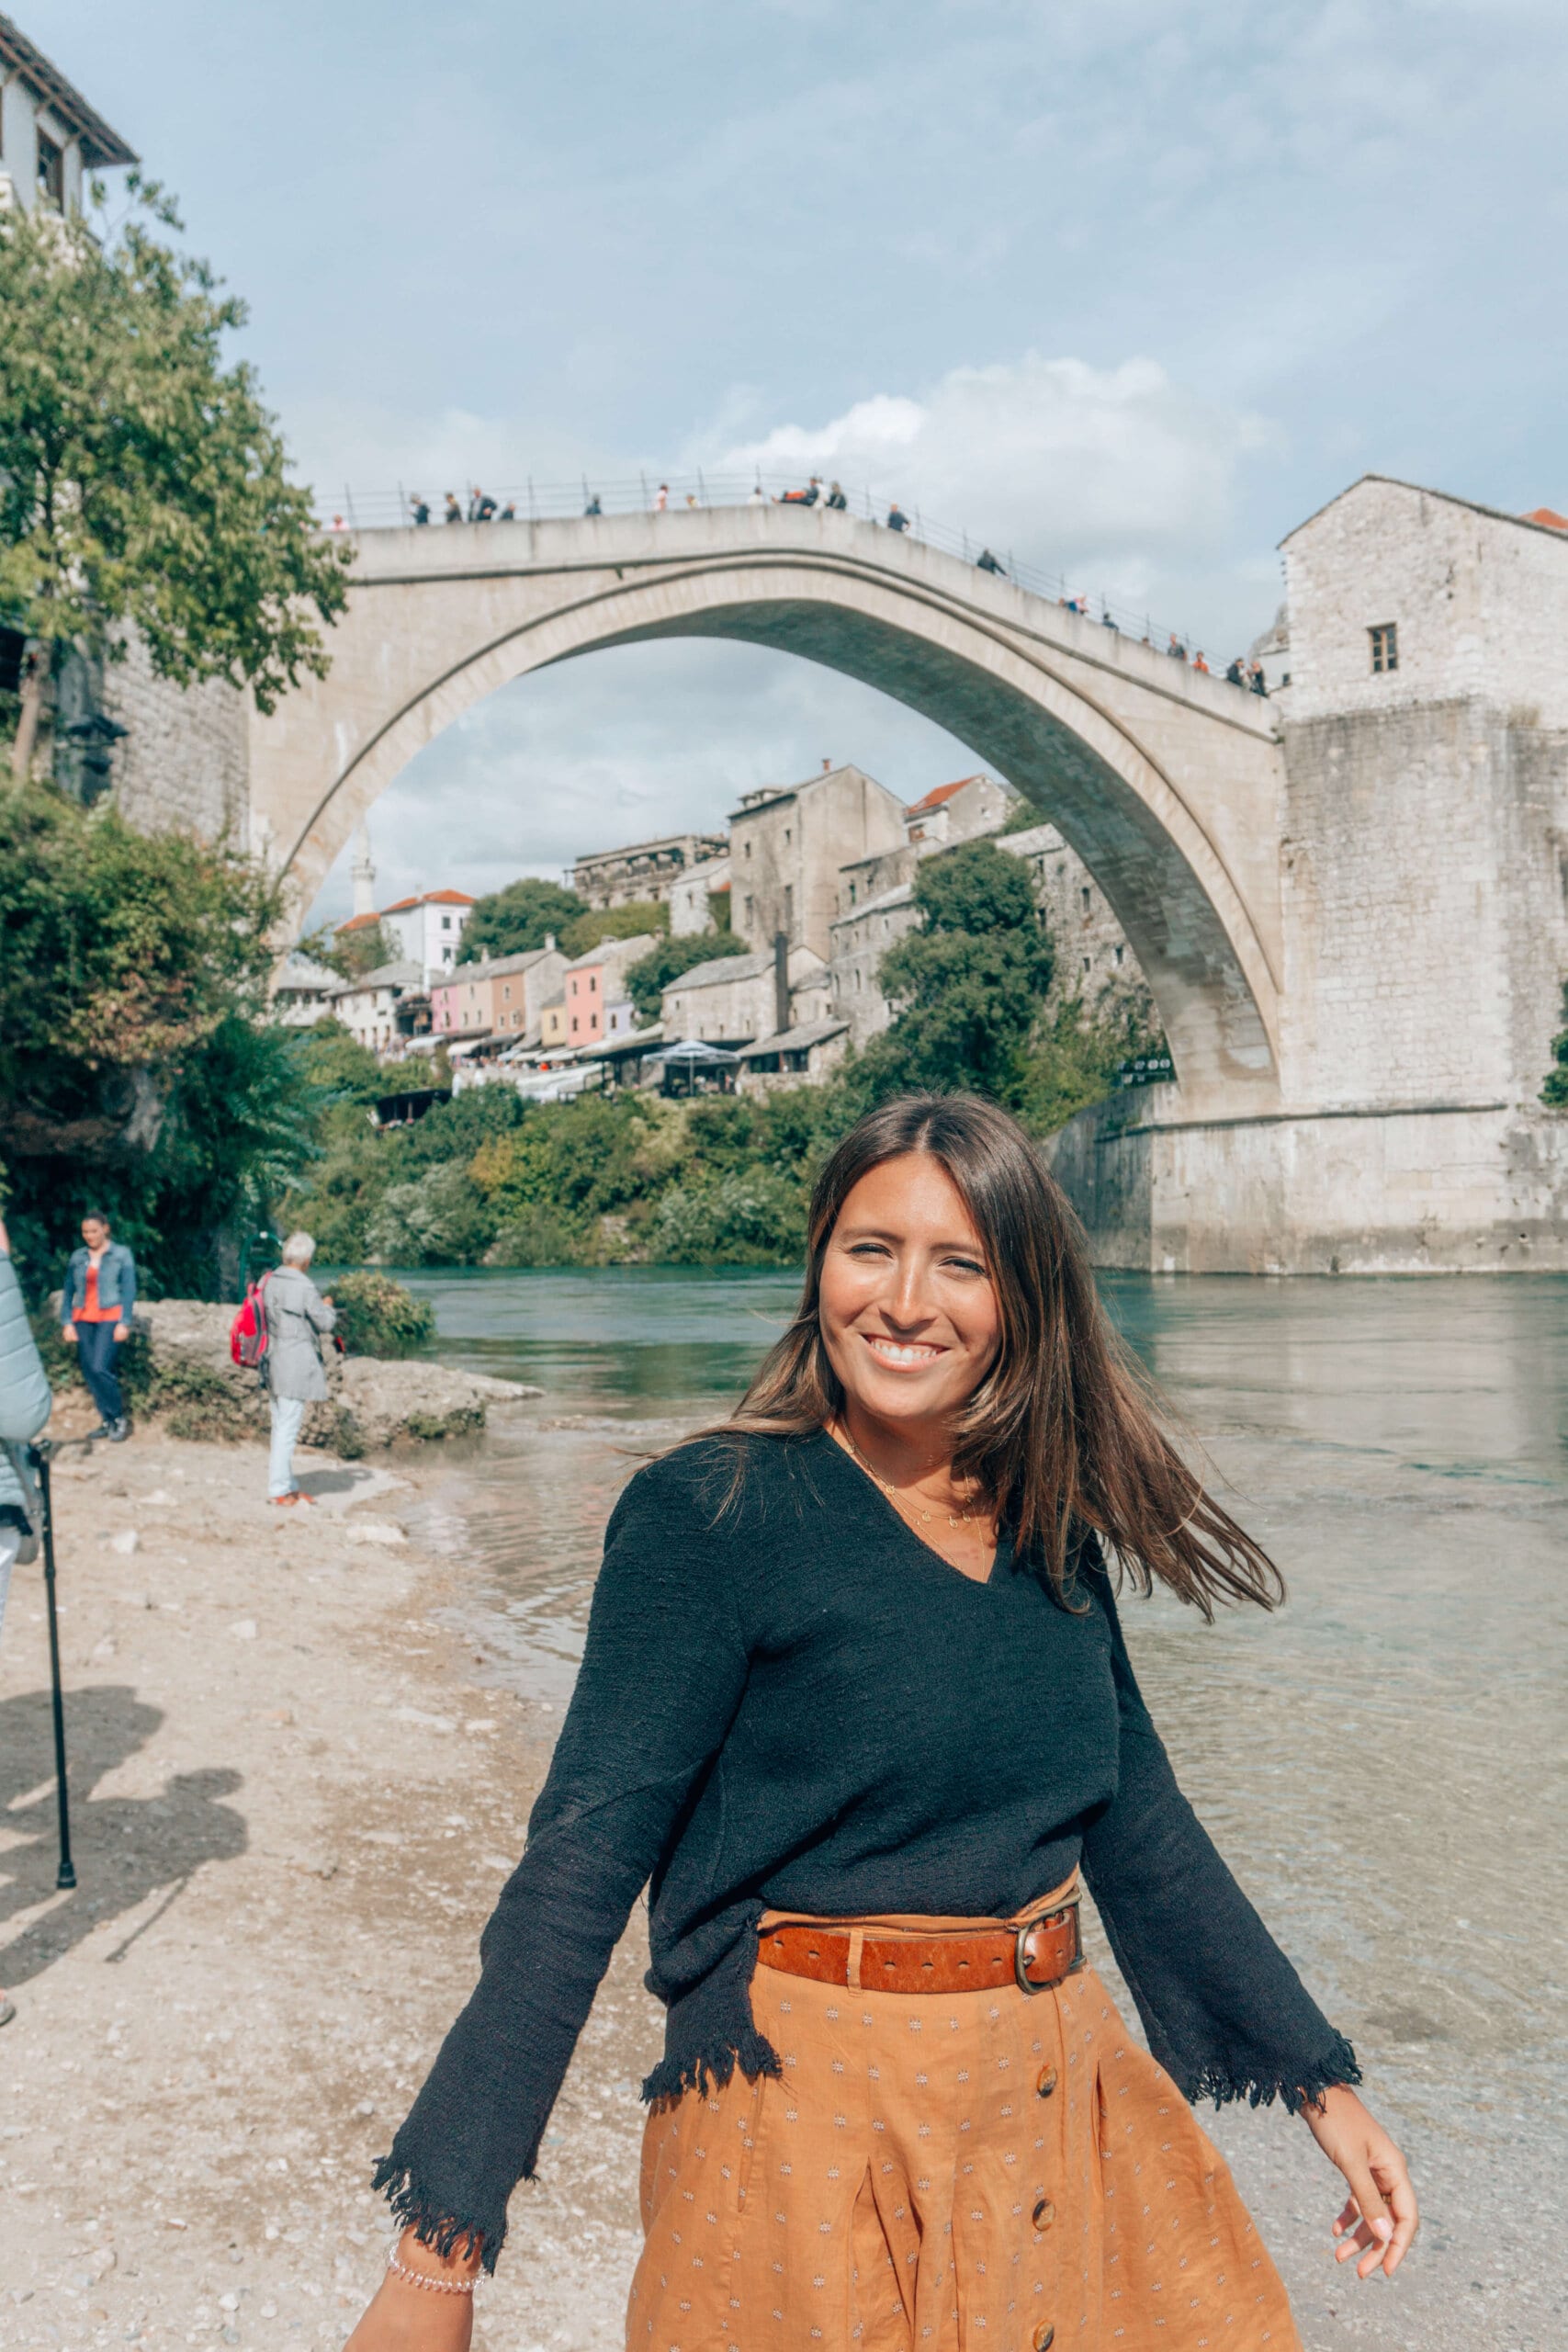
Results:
<point x="1350" y="901"/>
<point x="1165" y="780"/>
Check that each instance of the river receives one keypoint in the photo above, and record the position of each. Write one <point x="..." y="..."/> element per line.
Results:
<point x="1381" y="1761"/>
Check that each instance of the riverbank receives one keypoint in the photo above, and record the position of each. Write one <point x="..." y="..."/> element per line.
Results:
<point x="295" y="1793"/>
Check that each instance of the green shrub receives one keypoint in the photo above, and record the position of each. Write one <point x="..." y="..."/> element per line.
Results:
<point x="440" y="1219"/>
<point x="377" y="1316"/>
<point x="743" y="1218"/>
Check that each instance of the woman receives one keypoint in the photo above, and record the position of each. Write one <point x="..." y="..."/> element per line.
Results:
<point x="96" y="1305"/>
<point x="296" y="1315"/>
<point x="855" y="1697"/>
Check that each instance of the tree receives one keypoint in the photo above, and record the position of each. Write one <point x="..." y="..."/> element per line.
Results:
<point x="969" y="985"/>
<point x="142" y="483"/>
<point x="614" y="923"/>
<point x="652" y="975"/>
<point x="517" y="919"/>
<point x="135" y="1066"/>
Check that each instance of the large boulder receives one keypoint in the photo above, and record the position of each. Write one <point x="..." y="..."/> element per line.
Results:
<point x="200" y="1391"/>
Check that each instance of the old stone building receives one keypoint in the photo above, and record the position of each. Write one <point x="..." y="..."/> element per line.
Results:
<point x="876" y="903"/>
<point x="787" y="849"/>
<point x="698" y="900"/>
<point x="619" y="877"/>
<point x="735" y="1000"/>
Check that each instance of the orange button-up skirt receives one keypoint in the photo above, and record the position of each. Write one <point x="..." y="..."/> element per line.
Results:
<point x="976" y="2172"/>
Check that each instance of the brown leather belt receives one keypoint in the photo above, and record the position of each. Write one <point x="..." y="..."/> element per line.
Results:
<point x="1035" y="1956"/>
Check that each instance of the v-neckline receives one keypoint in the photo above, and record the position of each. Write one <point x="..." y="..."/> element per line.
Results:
<point x="1003" y="1543"/>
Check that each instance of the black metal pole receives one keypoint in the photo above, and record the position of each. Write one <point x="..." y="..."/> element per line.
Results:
<point x="66" y="1875"/>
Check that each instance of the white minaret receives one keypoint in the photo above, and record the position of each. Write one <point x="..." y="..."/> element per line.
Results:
<point x="364" y="874"/>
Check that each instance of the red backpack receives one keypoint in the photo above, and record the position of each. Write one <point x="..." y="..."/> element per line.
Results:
<point x="247" y="1333"/>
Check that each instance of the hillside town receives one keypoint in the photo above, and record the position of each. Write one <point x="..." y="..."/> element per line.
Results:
<point x="815" y="879"/>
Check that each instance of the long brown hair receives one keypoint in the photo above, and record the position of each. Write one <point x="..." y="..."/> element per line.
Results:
<point x="1064" y="1432"/>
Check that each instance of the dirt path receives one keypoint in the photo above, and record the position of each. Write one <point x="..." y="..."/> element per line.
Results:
<point x="295" y="1796"/>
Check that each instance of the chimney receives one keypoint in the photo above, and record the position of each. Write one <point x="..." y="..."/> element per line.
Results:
<point x="780" y="982"/>
<point x="549" y="942"/>
<point x="827" y="767"/>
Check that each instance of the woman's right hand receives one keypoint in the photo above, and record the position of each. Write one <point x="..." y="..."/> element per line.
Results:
<point x="401" y="2317"/>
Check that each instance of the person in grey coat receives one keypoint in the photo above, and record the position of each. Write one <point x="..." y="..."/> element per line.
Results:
<point x="296" y="1317"/>
<point x="25" y="1404"/>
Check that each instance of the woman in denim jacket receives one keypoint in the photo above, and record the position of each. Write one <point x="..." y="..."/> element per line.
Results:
<point x="95" y="1312"/>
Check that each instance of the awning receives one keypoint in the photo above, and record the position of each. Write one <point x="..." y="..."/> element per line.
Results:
<point x="695" y="1051"/>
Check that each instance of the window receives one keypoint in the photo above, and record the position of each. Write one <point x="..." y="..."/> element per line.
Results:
<point x="851" y="894"/>
<point x="445" y="923"/>
<point x="506" y="991"/>
<point x="445" y="955"/>
<point x="1120" y="953"/>
<point x="51" y="170"/>
<point x="747" y="848"/>
<point x="789" y="908"/>
<point x="1086" y="963"/>
<point x="593" y="983"/>
<point x="1088" y="897"/>
<point x="575" y="1025"/>
<point x="788" y="837"/>
<point x="748" y="911"/>
<point x="1385" y="646"/>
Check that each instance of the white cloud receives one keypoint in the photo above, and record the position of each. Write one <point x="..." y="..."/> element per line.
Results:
<point x="1118" y="469"/>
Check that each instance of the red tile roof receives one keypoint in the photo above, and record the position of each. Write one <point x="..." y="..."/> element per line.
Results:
<point x="357" y="922"/>
<point x="934" y="799"/>
<point x="429" y="898"/>
<point x="1553" y="522"/>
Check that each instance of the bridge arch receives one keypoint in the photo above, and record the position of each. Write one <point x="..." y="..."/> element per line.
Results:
<point x="1166" y="784"/>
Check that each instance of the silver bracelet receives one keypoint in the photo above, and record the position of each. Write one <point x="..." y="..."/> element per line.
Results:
<point x="423" y="2278"/>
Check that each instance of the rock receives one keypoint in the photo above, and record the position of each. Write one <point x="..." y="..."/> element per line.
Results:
<point x="244" y="1630"/>
<point x="373" y="1531"/>
<point x="374" y="1402"/>
<point x="125" y="1543"/>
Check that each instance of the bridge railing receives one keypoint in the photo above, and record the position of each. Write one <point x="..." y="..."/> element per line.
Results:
<point x="530" y="501"/>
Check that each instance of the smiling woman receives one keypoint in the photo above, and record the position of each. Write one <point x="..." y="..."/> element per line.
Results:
<point x="855" y="1699"/>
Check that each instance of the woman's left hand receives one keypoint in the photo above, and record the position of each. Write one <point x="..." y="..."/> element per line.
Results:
<point x="1379" y="2216"/>
<point x="122" y="1331"/>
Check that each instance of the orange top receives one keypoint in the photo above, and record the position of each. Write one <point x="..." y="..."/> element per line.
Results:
<point x="90" y="1311"/>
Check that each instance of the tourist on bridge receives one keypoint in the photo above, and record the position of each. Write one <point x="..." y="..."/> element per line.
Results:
<point x="420" y="509"/>
<point x="1200" y="664"/>
<point x="836" y="502"/>
<point x="661" y="498"/>
<point x="987" y="562"/>
<point x="1106" y="621"/>
<point x="483" y="508"/>
<point x="897" y="518"/>
<point x="454" y="512"/>
<point x="855" y="1705"/>
<point x="807" y="497"/>
<point x="759" y="496"/>
<point x="1175" y="650"/>
<point x="95" y="1309"/>
<point x="1236" y="672"/>
<point x="1256" y="680"/>
<point x="594" y="506"/>
<point x="298" y="1317"/>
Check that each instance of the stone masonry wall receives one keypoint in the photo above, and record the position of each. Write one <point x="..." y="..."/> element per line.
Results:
<point x="1426" y="922"/>
<point x="183" y="760"/>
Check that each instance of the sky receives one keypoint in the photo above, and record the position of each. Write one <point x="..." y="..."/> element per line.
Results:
<point x="1130" y="289"/>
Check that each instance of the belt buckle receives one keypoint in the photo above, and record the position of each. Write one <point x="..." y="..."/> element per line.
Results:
<point x="1043" y="1918"/>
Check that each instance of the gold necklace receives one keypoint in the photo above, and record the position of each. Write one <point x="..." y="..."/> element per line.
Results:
<point x="927" y="1518"/>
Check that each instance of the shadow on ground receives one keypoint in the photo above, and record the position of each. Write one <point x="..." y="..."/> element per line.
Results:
<point x="125" y="1849"/>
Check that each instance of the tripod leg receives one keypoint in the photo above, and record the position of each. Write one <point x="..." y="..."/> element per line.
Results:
<point x="66" y="1875"/>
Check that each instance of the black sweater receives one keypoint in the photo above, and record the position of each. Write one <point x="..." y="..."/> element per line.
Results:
<point x="792" y="1703"/>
